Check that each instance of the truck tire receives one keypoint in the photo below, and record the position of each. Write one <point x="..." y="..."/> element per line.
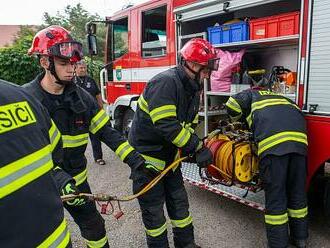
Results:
<point x="326" y="202"/>
<point x="127" y="122"/>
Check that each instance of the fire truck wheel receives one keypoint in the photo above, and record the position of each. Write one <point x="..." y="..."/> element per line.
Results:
<point x="127" y="121"/>
<point x="326" y="202"/>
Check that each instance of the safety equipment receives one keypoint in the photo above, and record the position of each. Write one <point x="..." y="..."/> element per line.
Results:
<point x="201" y="52"/>
<point x="27" y="176"/>
<point x="56" y="41"/>
<point x="76" y="114"/>
<point x="277" y="123"/>
<point x="246" y="162"/>
<point x="164" y="121"/>
<point x="204" y="157"/>
<point x="69" y="189"/>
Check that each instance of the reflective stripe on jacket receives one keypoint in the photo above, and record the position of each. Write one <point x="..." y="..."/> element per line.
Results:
<point x="166" y="116"/>
<point x="76" y="113"/>
<point x="30" y="205"/>
<point x="277" y="123"/>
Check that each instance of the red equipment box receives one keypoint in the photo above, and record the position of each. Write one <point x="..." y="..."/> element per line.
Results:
<point x="274" y="26"/>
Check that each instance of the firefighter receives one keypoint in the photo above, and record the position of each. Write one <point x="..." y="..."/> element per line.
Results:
<point x="89" y="84"/>
<point x="164" y="123"/>
<point x="76" y="113"/>
<point x="31" y="208"/>
<point x="279" y="130"/>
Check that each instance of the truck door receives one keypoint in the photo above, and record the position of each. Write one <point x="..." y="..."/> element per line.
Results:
<point x="318" y="89"/>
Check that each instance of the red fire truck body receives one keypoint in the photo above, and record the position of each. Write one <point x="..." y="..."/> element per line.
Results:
<point x="144" y="40"/>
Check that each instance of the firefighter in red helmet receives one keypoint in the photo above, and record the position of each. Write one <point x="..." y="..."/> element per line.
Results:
<point x="163" y="127"/>
<point x="76" y="114"/>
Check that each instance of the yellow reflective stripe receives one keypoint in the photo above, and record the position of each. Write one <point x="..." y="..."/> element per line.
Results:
<point x="249" y="120"/>
<point x="270" y="102"/>
<point x="81" y="177"/>
<point x="182" y="138"/>
<point x="143" y="104"/>
<point x="298" y="213"/>
<point x="74" y="140"/>
<point x="280" y="138"/>
<point x="195" y="121"/>
<point x="60" y="238"/>
<point x="98" y="243"/>
<point x="156" y="232"/>
<point x="276" y="219"/>
<point x="98" y="121"/>
<point x="54" y="136"/>
<point x="123" y="150"/>
<point x="157" y="163"/>
<point x="188" y="127"/>
<point x="19" y="173"/>
<point x="163" y="112"/>
<point x="233" y="104"/>
<point x="182" y="223"/>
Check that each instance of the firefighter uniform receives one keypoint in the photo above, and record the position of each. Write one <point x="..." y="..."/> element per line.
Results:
<point x="30" y="205"/>
<point x="164" y="121"/>
<point x="76" y="114"/>
<point x="279" y="130"/>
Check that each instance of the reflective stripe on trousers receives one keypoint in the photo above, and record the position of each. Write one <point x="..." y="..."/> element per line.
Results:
<point x="98" y="243"/>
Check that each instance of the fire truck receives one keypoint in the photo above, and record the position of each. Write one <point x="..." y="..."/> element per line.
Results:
<point x="144" y="40"/>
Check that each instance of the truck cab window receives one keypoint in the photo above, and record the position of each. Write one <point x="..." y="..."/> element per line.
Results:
<point x="154" y="32"/>
<point x="120" y="36"/>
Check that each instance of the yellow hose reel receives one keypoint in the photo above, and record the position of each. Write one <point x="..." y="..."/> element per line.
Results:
<point x="246" y="163"/>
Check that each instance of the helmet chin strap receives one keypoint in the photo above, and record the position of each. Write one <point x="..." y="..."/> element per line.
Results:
<point x="197" y="75"/>
<point x="52" y="70"/>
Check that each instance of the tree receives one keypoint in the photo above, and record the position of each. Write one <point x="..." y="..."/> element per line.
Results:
<point x="74" y="19"/>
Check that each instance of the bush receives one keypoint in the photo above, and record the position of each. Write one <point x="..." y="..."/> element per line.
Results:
<point x="16" y="66"/>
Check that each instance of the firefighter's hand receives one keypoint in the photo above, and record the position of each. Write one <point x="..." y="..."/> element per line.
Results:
<point x="213" y="134"/>
<point x="150" y="170"/>
<point x="71" y="189"/>
<point x="204" y="157"/>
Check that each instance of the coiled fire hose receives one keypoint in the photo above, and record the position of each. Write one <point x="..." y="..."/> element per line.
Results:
<point x="232" y="160"/>
<point x="109" y="198"/>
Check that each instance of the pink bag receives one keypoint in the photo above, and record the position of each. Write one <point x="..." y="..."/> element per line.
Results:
<point x="222" y="78"/>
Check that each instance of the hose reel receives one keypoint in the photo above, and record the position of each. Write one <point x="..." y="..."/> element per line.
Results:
<point x="233" y="157"/>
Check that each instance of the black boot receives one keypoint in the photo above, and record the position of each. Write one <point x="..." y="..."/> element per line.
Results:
<point x="299" y="243"/>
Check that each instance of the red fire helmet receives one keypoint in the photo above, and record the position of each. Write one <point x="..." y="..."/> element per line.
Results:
<point x="56" y="41"/>
<point x="201" y="52"/>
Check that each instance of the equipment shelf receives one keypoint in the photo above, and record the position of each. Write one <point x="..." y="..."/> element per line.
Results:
<point x="260" y="43"/>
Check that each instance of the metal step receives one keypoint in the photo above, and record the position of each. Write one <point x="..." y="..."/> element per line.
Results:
<point x="191" y="175"/>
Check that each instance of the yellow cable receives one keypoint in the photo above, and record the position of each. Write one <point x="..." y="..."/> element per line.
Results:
<point x="104" y="197"/>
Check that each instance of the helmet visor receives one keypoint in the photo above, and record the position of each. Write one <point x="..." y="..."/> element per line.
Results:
<point x="67" y="50"/>
<point x="213" y="64"/>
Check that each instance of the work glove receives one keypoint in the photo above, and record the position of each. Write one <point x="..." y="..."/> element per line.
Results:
<point x="71" y="189"/>
<point x="204" y="157"/>
<point x="148" y="169"/>
<point x="213" y="134"/>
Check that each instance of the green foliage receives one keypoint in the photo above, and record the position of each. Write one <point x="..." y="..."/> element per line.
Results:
<point x="74" y="19"/>
<point x="15" y="65"/>
<point x="94" y="67"/>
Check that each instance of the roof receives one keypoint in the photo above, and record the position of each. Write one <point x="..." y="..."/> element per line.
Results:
<point x="8" y="33"/>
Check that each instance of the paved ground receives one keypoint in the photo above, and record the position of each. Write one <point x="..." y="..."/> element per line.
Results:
<point x="219" y="222"/>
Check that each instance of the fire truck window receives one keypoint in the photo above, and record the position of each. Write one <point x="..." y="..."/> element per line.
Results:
<point x="154" y="32"/>
<point x="120" y="34"/>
